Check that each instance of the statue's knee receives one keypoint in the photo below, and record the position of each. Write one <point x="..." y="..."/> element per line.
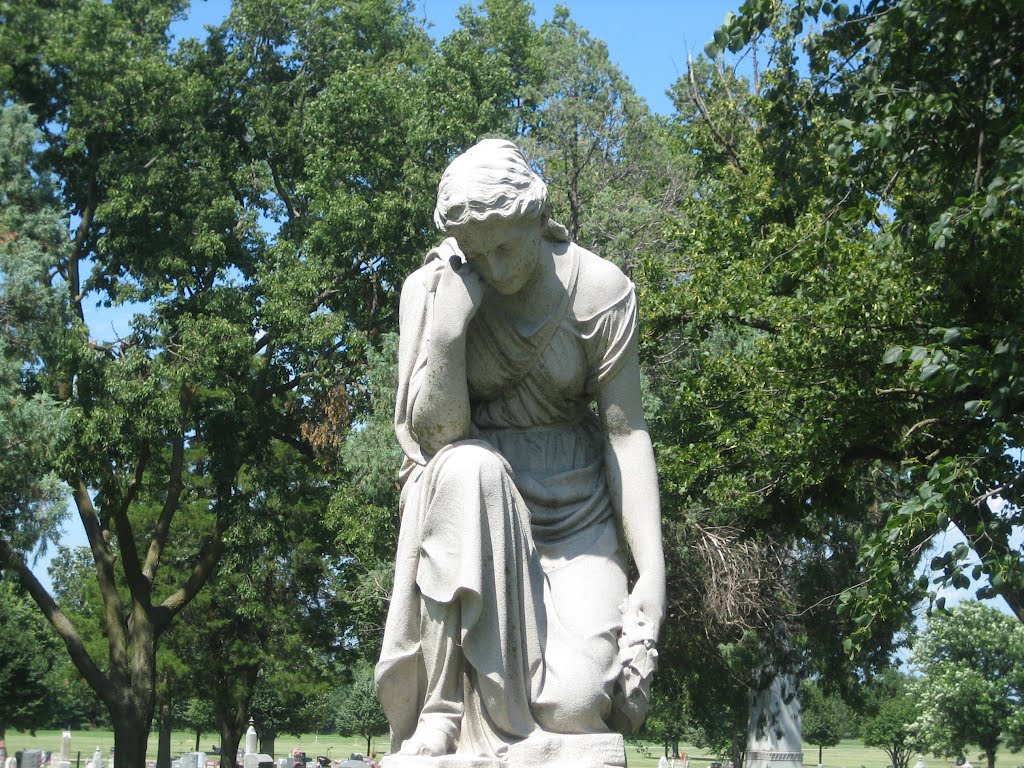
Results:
<point x="470" y="462"/>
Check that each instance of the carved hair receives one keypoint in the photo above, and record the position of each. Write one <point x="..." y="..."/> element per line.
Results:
<point x="492" y="180"/>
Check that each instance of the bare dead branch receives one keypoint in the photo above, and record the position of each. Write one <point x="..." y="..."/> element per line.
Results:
<point x="698" y="100"/>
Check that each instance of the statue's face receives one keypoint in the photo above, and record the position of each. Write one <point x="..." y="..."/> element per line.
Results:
<point x="506" y="252"/>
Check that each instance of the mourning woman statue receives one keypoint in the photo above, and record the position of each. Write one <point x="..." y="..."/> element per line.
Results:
<point x="528" y="471"/>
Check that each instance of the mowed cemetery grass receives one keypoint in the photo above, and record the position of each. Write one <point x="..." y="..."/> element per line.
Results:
<point x="848" y="754"/>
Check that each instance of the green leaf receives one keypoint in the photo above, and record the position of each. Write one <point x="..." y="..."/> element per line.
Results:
<point x="892" y="355"/>
<point x="917" y="354"/>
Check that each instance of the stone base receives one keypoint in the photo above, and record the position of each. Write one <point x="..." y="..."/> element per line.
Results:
<point x="546" y="750"/>
<point x="589" y="750"/>
<point x="444" y="761"/>
<point x="771" y="759"/>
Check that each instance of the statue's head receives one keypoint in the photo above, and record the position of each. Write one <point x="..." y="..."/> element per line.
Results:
<point x="490" y="181"/>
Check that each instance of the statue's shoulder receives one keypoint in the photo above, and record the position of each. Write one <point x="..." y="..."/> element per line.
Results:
<point x="599" y="285"/>
<point x="423" y="279"/>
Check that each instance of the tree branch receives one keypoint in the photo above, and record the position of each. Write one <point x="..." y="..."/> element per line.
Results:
<point x="201" y="573"/>
<point x="299" y="445"/>
<point x="81" y="235"/>
<point x="12" y="561"/>
<point x="698" y="101"/>
<point x="100" y="546"/>
<point x="175" y="486"/>
<point x="139" y="587"/>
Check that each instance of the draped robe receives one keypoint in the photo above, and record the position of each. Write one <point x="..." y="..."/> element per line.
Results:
<point x="515" y="523"/>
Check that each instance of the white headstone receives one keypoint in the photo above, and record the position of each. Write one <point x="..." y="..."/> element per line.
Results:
<point x="251" y="739"/>
<point x="65" y="747"/>
<point x="11" y="762"/>
<point x="188" y="760"/>
<point x="97" y="759"/>
<point x="284" y="762"/>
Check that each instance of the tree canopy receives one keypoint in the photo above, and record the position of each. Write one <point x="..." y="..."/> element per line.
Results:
<point x="970" y="664"/>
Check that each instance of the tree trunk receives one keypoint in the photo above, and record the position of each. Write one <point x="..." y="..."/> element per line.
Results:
<point x="163" y="750"/>
<point x="820" y="747"/>
<point x="738" y="742"/>
<point x="368" y="740"/>
<point x="230" y="737"/>
<point x="131" y="735"/>
<point x="199" y="735"/>
<point x="990" y="755"/>
<point x="267" y="743"/>
<point x="231" y="697"/>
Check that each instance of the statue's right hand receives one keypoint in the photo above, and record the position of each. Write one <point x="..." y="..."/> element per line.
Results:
<point x="459" y="293"/>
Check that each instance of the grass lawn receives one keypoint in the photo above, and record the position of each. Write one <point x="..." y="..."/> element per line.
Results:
<point x="848" y="754"/>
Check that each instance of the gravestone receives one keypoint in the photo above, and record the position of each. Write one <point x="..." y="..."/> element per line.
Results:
<point x="773" y="725"/>
<point x="11" y="762"/>
<point x="32" y="758"/>
<point x="63" y="760"/>
<point x="251" y="738"/>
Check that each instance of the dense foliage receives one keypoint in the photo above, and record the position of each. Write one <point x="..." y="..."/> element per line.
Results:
<point x="826" y="252"/>
<point x="970" y="665"/>
<point x="890" y="713"/>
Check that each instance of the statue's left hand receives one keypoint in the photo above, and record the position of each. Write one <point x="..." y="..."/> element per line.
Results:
<point x="648" y="595"/>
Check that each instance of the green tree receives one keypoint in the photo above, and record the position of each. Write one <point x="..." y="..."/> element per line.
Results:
<point x="72" y="573"/>
<point x="27" y="650"/>
<point x="357" y="709"/>
<point x="197" y="715"/>
<point x="613" y="181"/>
<point x="257" y="196"/>
<point x="925" y="102"/>
<point x="763" y="369"/>
<point x="820" y="716"/>
<point x="970" y="663"/>
<point x="32" y="423"/>
<point x="890" y="713"/>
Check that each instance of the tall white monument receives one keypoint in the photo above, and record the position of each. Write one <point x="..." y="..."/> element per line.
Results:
<point x="773" y="725"/>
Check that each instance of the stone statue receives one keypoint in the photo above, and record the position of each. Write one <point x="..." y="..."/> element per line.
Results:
<point x="528" y="470"/>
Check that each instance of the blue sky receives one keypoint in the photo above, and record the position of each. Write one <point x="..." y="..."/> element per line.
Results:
<point x="648" y="39"/>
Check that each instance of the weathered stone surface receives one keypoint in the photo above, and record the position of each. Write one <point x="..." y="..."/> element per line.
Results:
<point x="526" y="452"/>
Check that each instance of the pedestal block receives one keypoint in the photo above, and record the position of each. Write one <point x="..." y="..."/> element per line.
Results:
<point x="548" y="750"/>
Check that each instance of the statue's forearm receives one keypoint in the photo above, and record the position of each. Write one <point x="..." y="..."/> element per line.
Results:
<point x="440" y="413"/>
